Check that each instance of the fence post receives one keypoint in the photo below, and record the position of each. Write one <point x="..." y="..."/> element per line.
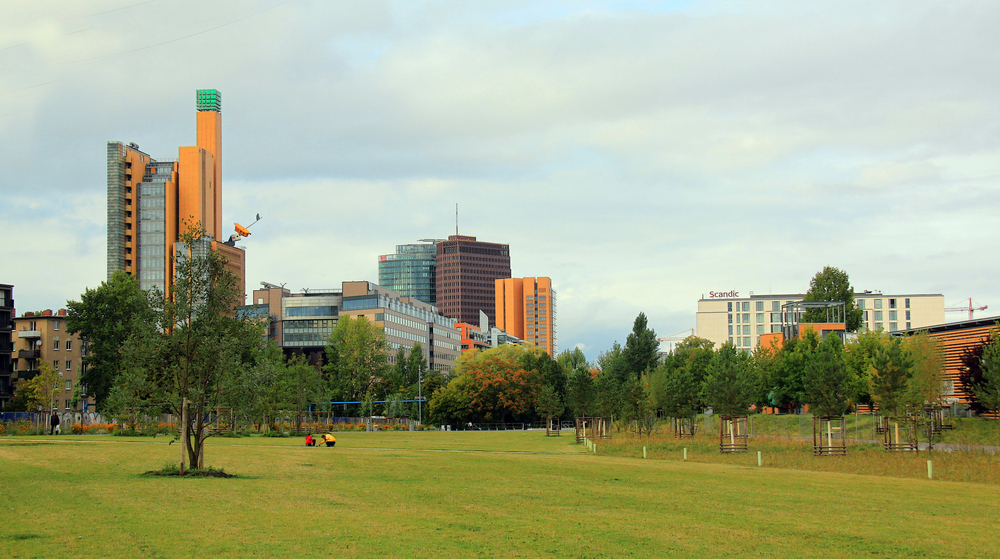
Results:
<point x="643" y="452"/>
<point x="685" y="453"/>
<point x="760" y="459"/>
<point x="930" y="470"/>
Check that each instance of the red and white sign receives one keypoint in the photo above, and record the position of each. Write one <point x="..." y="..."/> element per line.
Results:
<point x="723" y="294"/>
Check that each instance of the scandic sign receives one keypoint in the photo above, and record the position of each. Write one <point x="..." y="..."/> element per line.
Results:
<point x="721" y="294"/>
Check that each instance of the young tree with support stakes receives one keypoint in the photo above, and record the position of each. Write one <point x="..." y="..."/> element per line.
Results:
<point x="892" y="368"/>
<point x="988" y="390"/>
<point x="827" y="392"/>
<point x="730" y="387"/>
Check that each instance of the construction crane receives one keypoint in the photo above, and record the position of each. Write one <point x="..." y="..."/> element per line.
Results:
<point x="672" y="340"/>
<point x="241" y="232"/>
<point x="970" y="309"/>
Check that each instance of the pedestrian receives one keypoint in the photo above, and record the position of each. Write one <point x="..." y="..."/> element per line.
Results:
<point x="310" y="441"/>
<point x="54" y="424"/>
<point x="329" y="439"/>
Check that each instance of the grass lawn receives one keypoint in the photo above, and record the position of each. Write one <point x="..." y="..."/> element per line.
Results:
<point x="479" y="494"/>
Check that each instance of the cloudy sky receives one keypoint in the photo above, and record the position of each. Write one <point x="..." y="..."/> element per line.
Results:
<point x="640" y="153"/>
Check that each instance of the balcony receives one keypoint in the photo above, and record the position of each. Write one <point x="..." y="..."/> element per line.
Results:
<point x="27" y="375"/>
<point x="29" y="354"/>
<point x="6" y="347"/>
<point x="29" y="334"/>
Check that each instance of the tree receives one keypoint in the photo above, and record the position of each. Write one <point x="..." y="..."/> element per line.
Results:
<point x="580" y="392"/>
<point x="987" y="392"/>
<point x="549" y="404"/>
<point x="498" y="385"/>
<point x="676" y="385"/>
<point x="729" y="386"/>
<point x="926" y="385"/>
<point x="449" y="404"/>
<point x="825" y="379"/>
<point x="641" y="347"/>
<point x="892" y="368"/>
<point x="357" y="359"/>
<point x="859" y="355"/>
<point x="971" y="373"/>
<point x="573" y="359"/>
<point x="609" y="385"/>
<point x="104" y="318"/>
<point x="832" y="284"/>
<point x="36" y="393"/>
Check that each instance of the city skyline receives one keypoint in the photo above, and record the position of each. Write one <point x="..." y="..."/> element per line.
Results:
<point x="639" y="154"/>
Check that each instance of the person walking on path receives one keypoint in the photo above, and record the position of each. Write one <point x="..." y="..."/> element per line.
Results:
<point x="54" y="424"/>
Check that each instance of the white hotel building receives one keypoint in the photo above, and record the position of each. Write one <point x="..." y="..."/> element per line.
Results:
<point x="725" y="316"/>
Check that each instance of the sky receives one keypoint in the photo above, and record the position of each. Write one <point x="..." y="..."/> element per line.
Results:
<point x="639" y="153"/>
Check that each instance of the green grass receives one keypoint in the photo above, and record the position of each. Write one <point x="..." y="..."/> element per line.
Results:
<point x="477" y="494"/>
<point x="967" y="431"/>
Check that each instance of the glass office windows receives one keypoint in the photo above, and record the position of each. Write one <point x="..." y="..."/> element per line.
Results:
<point x="861" y="304"/>
<point x="746" y="342"/>
<point x="730" y="306"/>
<point x="738" y="321"/>
<point x="775" y="306"/>
<point x="893" y="326"/>
<point x="760" y="317"/>
<point x="730" y="319"/>
<point x="907" y="302"/>
<point x="907" y="316"/>
<point x="892" y="315"/>
<point x="878" y="303"/>
<point x="760" y="306"/>
<point x="746" y="306"/>
<point x="730" y="330"/>
<point x="878" y="326"/>
<point x="746" y="329"/>
<point x="878" y="315"/>
<point x="892" y="303"/>
<point x="324" y="310"/>
<point x="775" y="328"/>
<point x="746" y="317"/>
<point x="760" y="329"/>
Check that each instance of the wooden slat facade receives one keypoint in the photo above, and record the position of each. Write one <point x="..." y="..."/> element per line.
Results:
<point x="956" y="338"/>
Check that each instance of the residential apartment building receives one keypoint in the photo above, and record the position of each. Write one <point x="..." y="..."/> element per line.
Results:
<point x="6" y="345"/>
<point x="302" y="322"/>
<point x="725" y="316"/>
<point x="42" y="337"/>
<point x="526" y="308"/>
<point x="466" y="271"/>
<point x="151" y="202"/>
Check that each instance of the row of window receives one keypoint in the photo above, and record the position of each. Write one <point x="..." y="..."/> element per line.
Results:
<point x="405" y="335"/>
<point x="386" y="317"/>
<point x="744" y="306"/>
<point x="55" y="343"/>
<point x="322" y="310"/>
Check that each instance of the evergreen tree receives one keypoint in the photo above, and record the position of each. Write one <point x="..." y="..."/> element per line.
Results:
<point x="641" y="348"/>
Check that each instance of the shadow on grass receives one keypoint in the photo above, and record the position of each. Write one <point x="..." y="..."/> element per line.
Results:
<point x="20" y="537"/>
<point x="172" y="470"/>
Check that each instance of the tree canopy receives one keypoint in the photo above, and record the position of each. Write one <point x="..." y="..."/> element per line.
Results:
<point x="833" y="284"/>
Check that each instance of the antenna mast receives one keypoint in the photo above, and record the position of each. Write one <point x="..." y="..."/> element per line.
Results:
<point x="456" y="218"/>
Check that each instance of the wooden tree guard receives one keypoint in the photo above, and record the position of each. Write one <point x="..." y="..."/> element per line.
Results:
<point x="552" y="427"/>
<point x="683" y="426"/>
<point x="602" y="427"/>
<point x="881" y="423"/>
<point x="901" y="434"/>
<point x="732" y="434"/>
<point x="582" y="423"/>
<point x="828" y="436"/>
<point x="221" y="420"/>
<point x="937" y="419"/>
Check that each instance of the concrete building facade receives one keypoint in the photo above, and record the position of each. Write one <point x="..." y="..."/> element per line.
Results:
<point x="42" y="337"/>
<point x="6" y="344"/>
<point x="526" y="309"/>
<point x="302" y="322"/>
<point x="152" y="202"/>
<point x="411" y="271"/>
<point x="466" y="271"/>
<point x="725" y="316"/>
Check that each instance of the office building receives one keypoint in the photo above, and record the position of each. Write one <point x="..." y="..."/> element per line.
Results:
<point x="411" y="272"/>
<point x="302" y="322"/>
<point x="956" y="339"/>
<point x="725" y="316"/>
<point x="6" y="344"/>
<point x="42" y="337"/>
<point x="151" y="202"/>
<point x="526" y="309"/>
<point x="466" y="272"/>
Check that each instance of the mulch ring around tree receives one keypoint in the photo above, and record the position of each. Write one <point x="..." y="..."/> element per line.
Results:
<point x="174" y="471"/>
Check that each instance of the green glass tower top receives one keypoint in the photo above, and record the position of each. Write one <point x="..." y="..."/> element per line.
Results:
<point x="209" y="100"/>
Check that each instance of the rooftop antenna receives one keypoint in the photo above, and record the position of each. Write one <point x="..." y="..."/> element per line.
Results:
<point x="456" y="218"/>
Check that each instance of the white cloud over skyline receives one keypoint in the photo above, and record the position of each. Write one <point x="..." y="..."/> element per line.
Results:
<point x="639" y="153"/>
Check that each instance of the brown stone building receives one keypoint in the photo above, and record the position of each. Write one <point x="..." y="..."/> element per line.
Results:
<point x="42" y="337"/>
<point x="466" y="272"/>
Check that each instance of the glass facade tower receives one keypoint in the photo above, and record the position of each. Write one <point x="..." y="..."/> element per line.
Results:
<point x="412" y="271"/>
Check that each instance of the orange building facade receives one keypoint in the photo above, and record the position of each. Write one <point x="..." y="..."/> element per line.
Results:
<point x="526" y="308"/>
<point x="152" y="202"/>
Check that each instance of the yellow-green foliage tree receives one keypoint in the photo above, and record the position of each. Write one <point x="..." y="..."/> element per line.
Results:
<point x="38" y="392"/>
<point x="357" y="360"/>
<point x="926" y="386"/>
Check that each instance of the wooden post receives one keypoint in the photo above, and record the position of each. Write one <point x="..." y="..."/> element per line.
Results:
<point x="643" y="452"/>
<point x="184" y="432"/>
<point x="685" y="453"/>
<point x="760" y="459"/>
<point x="930" y="470"/>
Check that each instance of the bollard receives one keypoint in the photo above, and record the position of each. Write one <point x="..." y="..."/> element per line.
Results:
<point x="930" y="470"/>
<point x="685" y="453"/>
<point x="643" y="452"/>
<point x="595" y="449"/>
<point x="760" y="459"/>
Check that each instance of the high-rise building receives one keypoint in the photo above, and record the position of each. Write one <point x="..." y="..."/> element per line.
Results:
<point x="6" y="344"/>
<point x="152" y="202"/>
<point x="526" y="308"/>
<point x="466" y="272"/>
<point x="411" y="272"/>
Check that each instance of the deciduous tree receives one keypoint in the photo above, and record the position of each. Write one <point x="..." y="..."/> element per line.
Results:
<point x="833" y="284"/>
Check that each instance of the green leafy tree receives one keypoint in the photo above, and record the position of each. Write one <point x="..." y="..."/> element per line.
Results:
<point x="549" y="404"/>
<point x="580" y="392"/>
<point x="892" y="368"/>
<point x="357" y="359"/>
<point x="859" y="355"/>
<point x="676" y="385"/>
<point x="826" y="379"/>
<point x="610" y="382"/>
<point x="926" y="386"/>
<point x="37" y="392"/>
<point x="450" y="404"/>
<point x="730" y="386"/>
<point x="987" y="391"/>
<point x="104" y="318"/>
<point x="833" y="284"/>
<point x="573" y="359"/>
<point x="640" y="354"/>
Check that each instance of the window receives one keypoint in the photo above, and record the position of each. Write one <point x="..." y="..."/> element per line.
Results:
<point x="746" y="315"/>
<point x="746" y="329"/>
<point x="775" y="328"/>
<point x="892" y="315"/>
<point x="893" y="326"/>
<point x="730" y="330"/>
<point x="730" y="306"/>
<point x="878" y="303"/>
<point x="760" y="306"/>
<point x="730" y="319"/>
<point x="861" y="304"/>
<point x="878" y="325"/>
<point x="907" y="303"/>
<point x="746" y="342"/>
<point x="908" y="327"/>
<point x="32" y="325"/>
<point x="69" y="385"/>
<point x="760" y="317"/>
<point x="775" y="306"/>
<point x="55" y="364"/>
<point x="776" y="317"/>
<point x="67" y="404"/>
<point x="892" y="303"/>
<point x="730" y="339"/>
<point x="69" y="345"/>
<point x="69" y="365"/>
<point x="737" y="318"/>
<point x="55" y="324"/>
<point x="746" y="306"/>
<point x="55" y="343"/>
<point x="760" y="329"/>
<point x="878" y="315"/>
<point x="907" y="316"/>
